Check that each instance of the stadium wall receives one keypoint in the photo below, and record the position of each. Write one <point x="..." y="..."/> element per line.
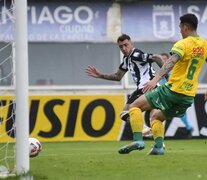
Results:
<point x="92" y="117"/>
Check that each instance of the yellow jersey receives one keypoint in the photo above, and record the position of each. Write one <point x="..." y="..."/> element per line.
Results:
<point x="193" y="53"/>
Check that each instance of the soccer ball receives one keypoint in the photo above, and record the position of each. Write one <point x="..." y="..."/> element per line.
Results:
<point x="34" y="147"/>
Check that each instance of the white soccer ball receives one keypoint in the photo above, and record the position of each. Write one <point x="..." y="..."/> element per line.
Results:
<point x="34" y="147"/>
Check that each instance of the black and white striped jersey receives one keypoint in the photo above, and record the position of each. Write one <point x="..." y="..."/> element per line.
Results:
<point x="140" y="66"/>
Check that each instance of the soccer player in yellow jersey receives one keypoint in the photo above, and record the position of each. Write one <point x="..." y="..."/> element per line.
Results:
<point x="173" y="98"/>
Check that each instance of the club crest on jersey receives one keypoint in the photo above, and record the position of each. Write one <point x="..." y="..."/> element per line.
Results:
<point x="163" y="21"/>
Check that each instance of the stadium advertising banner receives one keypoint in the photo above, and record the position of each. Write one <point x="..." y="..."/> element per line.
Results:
<point x="89" y="118"/>
<point x="156" y="21"/>
<point x="67" y="118"/>
<point x="62" y="21"/>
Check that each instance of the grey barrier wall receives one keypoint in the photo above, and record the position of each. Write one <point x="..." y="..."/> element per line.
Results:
<point x="63" y="64"/>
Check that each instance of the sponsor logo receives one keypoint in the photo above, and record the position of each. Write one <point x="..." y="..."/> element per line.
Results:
<point x="163" y="21"/>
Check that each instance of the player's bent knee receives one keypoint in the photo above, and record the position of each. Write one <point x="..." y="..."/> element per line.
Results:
<point x="156" y="114"/>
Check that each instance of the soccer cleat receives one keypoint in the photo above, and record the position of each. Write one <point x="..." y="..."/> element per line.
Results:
<point x="163" y="145"/>
<point x="157" y="151"/>
<point x="189" y="133"/>
<point x="124" y="115"/>
<point x="136" y="145"/>
<point x="147" y="132"/>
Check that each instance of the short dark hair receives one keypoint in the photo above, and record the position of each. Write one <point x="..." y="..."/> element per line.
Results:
<point x="190" y="19"/>
<point x="123" y="37"/>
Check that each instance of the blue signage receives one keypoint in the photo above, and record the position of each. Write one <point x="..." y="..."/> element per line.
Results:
<point x="68" y="22"/>
<point x="60" y="22"/>
<point x="160" y="21"/>
<point x="63" y="21"/>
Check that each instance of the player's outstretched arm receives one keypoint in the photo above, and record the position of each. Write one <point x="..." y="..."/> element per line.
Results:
<point x="93" y="72"/>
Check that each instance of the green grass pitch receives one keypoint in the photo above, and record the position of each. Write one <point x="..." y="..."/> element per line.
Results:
<point x="184" y="159"/>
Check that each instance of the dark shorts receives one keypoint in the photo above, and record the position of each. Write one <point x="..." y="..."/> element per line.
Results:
<point x="170" y="103"/>
<point x="132" y="97"/>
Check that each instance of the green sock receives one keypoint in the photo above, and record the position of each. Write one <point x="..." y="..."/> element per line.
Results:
<point x="159" y="142"/>
<point x="137" y="136"/>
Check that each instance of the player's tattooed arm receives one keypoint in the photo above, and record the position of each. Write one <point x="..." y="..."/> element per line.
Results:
<point x="94" y="72"/>
<point x="168" y="65"/>
<point x="113" y="77"/>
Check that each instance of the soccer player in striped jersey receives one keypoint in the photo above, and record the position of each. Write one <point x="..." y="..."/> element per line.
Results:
<point x="173" y="98"/>
<point x="140" y="66"/>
